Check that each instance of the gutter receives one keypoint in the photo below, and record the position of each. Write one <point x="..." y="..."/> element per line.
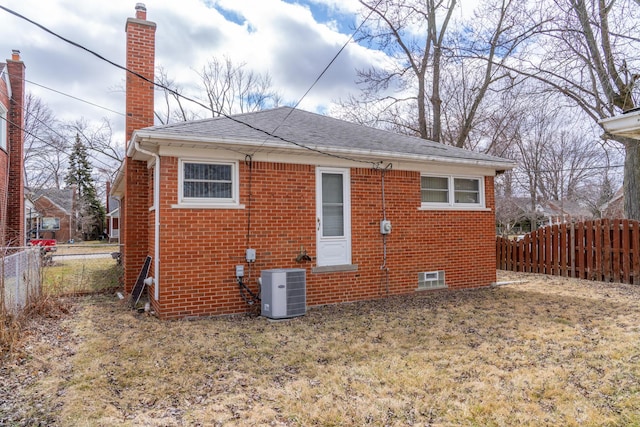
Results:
<point x="626" y="124"/>
<point x="156" y="204"/>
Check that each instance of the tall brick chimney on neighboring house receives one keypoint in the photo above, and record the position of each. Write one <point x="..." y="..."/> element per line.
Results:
<point x="136" y="220"/>
<point x="15" y="231"/>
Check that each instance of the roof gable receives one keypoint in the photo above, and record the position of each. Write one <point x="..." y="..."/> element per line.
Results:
<point x="62" y="198"/>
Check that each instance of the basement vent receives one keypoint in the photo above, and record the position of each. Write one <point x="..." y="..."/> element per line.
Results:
<point x="431" y="280"/>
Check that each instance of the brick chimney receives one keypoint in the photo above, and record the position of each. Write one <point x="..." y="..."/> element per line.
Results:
<point x="141" y="40"/>
<point x="15" y="231"/>
<point x="134" y="208"/>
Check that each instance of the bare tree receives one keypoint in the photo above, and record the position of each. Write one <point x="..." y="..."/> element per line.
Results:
<point x="588" y="54"/>
<point x="394" y="26"/>
<point x="442" y="70"/>
<point x="225" y="88"/>
<point x="476" y="80"/>
<point x="232" y="88"/>
<point x="44" y="147"/>
<point x="573" y="162"/>
<point x="175" y="110"/>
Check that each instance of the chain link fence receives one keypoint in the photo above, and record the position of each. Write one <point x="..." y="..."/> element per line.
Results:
<point x="21" y="277"/>
<point x="84" y="268"/>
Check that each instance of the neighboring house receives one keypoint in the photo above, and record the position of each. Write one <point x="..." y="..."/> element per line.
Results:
<point x="614" y="208"/>
<point x="514" y="215"/>
<point x="202" y="198"/>
<point x="113" y="216"/>
<point x="565" y="211"/>
<point x="12" y="96"/>
<point x="53" y="218"/>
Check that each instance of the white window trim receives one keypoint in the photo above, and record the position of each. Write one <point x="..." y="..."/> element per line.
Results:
<point x="197" y="203"/>
<point x="452" y="205"/>
<point x="4" y="128"/>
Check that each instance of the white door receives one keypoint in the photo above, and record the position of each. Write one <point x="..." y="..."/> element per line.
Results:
<point x="333" y="211"/>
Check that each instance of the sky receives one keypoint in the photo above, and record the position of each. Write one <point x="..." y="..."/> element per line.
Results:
<point x="292" y="40"/>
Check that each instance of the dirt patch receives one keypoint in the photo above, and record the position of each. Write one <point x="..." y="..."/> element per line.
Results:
<point x="538" y="351"/>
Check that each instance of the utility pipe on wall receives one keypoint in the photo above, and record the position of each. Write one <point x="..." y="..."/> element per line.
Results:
<point x="156" y="204"/>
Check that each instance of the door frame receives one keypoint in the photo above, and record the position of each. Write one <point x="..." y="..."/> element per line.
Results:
<point x="322" y="241"/>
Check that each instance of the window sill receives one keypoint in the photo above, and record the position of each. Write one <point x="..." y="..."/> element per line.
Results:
<point x="335" y="268"/>
<point x="454" y="208"/>
<point x="434" y="288"/>
<point x="205" y="206"/>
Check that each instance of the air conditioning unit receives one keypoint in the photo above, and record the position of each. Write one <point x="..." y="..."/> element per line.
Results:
<point x="283" y="293"/>
<point x="431" y="280"/>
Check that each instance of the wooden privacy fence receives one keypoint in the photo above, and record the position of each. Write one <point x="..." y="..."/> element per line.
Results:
<point x="602" y="250"/>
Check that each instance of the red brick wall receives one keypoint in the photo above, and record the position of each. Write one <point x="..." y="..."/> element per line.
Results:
<point x="15" y="232"/>
<point x="201" y="247"/>
<point x="46" y="208"/>
<point x="4" y="159"/>
<point x="134" y="209"/>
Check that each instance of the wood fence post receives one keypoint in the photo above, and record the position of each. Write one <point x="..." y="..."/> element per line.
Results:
<point x="615" y="259"/>
<point x="635" y="242"/>
<point x="572" y="247"/>
<point x="589" y="249"/>
<point x="626" y="252"/>
<point x="606" y="250"/>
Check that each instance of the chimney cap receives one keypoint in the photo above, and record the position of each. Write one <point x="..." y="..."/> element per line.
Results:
<point x="15" y="55"/>
<point x="141" y="11"/>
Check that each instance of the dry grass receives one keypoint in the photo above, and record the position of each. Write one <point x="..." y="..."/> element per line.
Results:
<point x="80" y="276"/>
<point x="549" y="351"/>
<point x="60" y="278"/>
<point x="92" y="247"/>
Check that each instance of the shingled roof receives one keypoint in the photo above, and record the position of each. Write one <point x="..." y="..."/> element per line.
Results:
<point x="295" y="130"/>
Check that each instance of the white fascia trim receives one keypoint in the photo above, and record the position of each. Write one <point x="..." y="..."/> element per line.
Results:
<point x="624" y="124"/>
<point x="118" y="183"/>
<point x="5" y="77"/>
<point x="155" y="139"/>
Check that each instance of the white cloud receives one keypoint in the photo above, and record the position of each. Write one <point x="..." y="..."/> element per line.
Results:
<point x="275" y="36"/>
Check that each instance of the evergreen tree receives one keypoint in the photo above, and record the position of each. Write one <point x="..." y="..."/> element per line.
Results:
<point x="88" y="211"/>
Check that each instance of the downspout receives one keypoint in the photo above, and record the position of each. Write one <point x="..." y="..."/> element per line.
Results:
<point x="156" y="204"/>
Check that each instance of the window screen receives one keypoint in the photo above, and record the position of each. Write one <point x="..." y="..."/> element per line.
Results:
<point x="332" y="205"/>
<point x="466" y="190"/>
<point x="207" y="181"/>
<point x="435" y="189"/>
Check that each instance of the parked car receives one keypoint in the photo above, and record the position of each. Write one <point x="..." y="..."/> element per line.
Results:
<point x="46" y="245"/>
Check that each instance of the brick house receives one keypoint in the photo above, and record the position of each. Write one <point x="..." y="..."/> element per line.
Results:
<point x="53" y="218"/>
<point x="113" y="216"/>
<point x="12" y="96"/>
<point x="300" y="190"/>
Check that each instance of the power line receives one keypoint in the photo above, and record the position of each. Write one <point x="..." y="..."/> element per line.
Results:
<point x="325" y="70"/>
<point x="75" y="97"/>
<point x="577" y="169"/>
<point x="47" y="143"/>
<point x="337" y="54"/>
<point x="97" y="55"/>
